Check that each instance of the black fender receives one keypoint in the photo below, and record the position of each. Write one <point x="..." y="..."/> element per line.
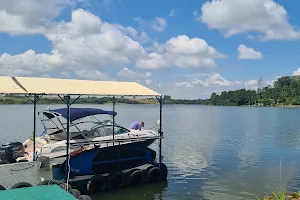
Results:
<point x="46" y="182"/>
<point x="97" y="183"/>
<point x="135" y="177"/>
<point x="2" y="188"/>
<point x="64" y="186"/>
<point x="21" y="185"/>
<point x="76" y="193"/>
<point x="84" y="197"/>
<point x="116" y="179"/>
<point x="164" y="170"/>
<point x="154" y="174"/>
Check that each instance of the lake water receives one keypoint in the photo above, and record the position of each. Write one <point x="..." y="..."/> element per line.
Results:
<point x="211" y="152"/>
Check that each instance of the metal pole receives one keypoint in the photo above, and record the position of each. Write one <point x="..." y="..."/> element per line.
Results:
<point x="34" y="125"/>
<point x="160" y="127"/>
<point x="68" y="138"/>
<point x="114" y="104"/>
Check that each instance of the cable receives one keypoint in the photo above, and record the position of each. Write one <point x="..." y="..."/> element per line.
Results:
<point x="69" y="169"/>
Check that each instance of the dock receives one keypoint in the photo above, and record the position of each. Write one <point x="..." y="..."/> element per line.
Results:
<point x="45" y="192"/>
<point x="26" y="177"/>
<point x="11" y="174"/>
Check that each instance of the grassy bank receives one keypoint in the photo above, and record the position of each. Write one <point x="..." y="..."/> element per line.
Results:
<point x="283" y="195"/>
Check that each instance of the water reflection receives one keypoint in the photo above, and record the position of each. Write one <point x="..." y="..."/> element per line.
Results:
<point x="211" y="152"/>
<point x="145" y="192"/>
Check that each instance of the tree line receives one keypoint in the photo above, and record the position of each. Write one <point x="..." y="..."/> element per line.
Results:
<point x="284" y="91"/>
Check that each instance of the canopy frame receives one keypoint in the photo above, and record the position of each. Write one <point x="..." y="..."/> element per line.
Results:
<point x="35" y="100"/>
<point x="32" y="87"/>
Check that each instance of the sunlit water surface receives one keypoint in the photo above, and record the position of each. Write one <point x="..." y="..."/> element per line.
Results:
<point x="211" y="152"/>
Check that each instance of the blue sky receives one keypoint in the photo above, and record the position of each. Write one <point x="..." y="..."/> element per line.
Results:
<point x="186" y="49"/>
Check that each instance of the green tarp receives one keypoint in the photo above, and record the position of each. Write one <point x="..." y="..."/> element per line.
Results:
<point x="49" y="192"/>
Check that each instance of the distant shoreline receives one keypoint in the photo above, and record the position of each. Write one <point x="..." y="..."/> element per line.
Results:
<point x="21" y="100"/>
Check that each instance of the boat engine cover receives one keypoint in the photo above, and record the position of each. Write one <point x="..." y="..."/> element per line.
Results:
<point x="11" y="151"/>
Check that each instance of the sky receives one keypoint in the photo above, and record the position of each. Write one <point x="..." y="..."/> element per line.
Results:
<point x="185" y="49"/>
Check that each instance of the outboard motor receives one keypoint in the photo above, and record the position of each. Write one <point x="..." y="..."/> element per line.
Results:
<point x="11" y="151"/>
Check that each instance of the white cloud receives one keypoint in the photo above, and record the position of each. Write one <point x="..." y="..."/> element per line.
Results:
<point x="45" y="76"/>
<point x="156" y="24"/>
<point x="153" y="61"/>
<point x="127" y="73"/>
<point x="251" y="83"/>
<point x="28" y="63"/>
<point x="84" y="41"/>
<point x="195" y="88"/>
<point x="173" y="12"/>
<point x="92" y="74"/>
<point x="248" y="53"/>
<point x="29" y="16"/>
<point x="148" y="82"/>
<point x="232" y="17"/>
<point x="181" y="51"/>
<point x="216" y="80"/>
<point x="159" y="24"/>
<point x="297" y="72"/>
<point x="65" y="74"/>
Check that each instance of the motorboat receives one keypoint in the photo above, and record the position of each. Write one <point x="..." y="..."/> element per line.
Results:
<point x="86" y="132"/>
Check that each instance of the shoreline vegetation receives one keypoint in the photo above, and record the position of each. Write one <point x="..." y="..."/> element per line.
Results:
<point x="285" y="93"/>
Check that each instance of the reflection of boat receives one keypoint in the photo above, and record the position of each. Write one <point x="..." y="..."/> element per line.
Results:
<point x="107" y="159"/>
<point x="86" y="131"/>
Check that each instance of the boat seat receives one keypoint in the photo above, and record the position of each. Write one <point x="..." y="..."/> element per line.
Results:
<point x="57" y="137"/>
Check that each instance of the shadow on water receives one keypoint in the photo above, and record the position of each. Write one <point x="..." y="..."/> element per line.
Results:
<point x="145" y="192"/>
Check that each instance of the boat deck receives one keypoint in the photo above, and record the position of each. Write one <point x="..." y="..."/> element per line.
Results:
<point x="11" y="174"/>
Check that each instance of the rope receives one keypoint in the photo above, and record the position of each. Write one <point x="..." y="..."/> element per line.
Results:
<point x="22" y="168"/>
<point x="69" y="169"/>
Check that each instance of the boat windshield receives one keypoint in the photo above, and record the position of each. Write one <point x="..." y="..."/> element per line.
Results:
<point x="106" y="130"/>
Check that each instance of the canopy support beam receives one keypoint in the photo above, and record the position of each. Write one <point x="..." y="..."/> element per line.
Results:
<point x="160" y="100"/>
<point x="67" y="101"/>
<point x="114" y="108"/>
<point x="68" y="135"/>
<point x="36" y="98"/>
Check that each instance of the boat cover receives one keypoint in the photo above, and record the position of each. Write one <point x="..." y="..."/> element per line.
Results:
<point x="77" y="113"/>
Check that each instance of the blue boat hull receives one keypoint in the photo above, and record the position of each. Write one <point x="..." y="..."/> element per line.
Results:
<point x="108" y="159"/>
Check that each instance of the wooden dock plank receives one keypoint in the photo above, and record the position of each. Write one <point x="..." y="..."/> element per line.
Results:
<point x="11" y="174"/>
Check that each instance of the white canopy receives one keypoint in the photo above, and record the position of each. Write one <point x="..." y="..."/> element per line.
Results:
<point x="53" y="86"/>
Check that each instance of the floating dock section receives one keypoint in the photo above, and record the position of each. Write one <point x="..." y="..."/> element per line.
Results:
<point x="19" y="177"/>
<point x="45" y="192"/>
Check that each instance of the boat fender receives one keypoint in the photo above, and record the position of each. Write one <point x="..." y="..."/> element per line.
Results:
<point x="84" y="197"/>
<point x="97" y="183"/>
<point x="136" y="177"/>
<point x="20" y="185"/>
<point x="46" y="182"/>
<point x="76" y="193"/>
<point x="65" y="186"/>
<point x="116" y="179"/>
<point x="164" y="170"/>
<point x="2" y="188"/>
<point x="154" y="174"/>
<point x="146" y="170"/>
<point x="2" y="162"/>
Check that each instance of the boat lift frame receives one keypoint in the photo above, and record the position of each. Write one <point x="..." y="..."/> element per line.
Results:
<point x="67" y="100"/>
<point x="12" y="86"/>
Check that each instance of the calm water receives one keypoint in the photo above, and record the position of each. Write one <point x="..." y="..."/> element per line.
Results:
<point x="211" y="152"/>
